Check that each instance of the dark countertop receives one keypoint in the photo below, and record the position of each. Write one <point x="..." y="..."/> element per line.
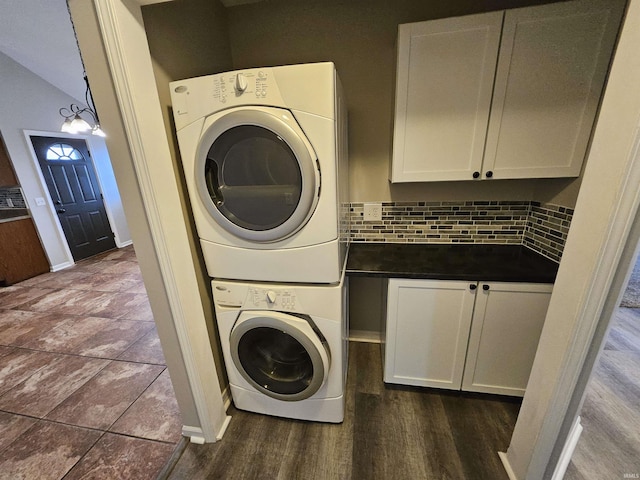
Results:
<point x="11" y="214"/>
<point x="473" y="262"/>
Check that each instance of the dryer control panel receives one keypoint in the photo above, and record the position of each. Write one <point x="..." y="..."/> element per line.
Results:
<point x="308" y="88"/>
<point x="251" y="83"/>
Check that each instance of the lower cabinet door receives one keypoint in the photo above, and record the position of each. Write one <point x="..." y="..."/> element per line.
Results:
<point x="426" y="333"/>
<point x="506" y="327"/>
<point x="21" y="253"/>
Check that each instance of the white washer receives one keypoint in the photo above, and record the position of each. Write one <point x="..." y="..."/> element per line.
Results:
<point x="264" y="155"/>
<point x="285" y="347"/>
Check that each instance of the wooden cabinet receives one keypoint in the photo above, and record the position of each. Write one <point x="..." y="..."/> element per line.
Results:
<point x="21" y="253"/>
<point x="507" y="95"/>
<point x="7" y="177"/>
<point x="463" y="335"/>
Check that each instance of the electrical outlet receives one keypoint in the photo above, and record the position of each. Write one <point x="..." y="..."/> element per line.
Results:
<point x="372" y="212"/>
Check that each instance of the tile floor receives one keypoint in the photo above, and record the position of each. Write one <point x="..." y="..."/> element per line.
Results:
<point x="84" y="390"/>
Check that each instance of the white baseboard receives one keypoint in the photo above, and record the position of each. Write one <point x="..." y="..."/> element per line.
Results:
<point x="226" y="398"/>
<point x="195" y="434"/>
<point x="120" y="244"/>
<point x="225" y="425"/>
<point x="507" y="466"/>
<point x="61" y="266"/>
<point x="567" y="450"/>
<point x="364" y="336"/>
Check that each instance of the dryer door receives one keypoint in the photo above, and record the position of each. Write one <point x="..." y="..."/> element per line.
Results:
<point x="281" y="355"/>
<point x="256" y="173"/>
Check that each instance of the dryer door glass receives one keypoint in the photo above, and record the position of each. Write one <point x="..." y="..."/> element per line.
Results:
<point x="256" y="174"/>
<point x="253" y="177"/>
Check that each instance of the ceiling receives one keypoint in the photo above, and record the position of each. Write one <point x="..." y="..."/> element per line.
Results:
<point x="38" y="34"/>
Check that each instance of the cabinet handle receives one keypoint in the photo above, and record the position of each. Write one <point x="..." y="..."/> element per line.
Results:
<point x="485" y="287"/>
<point x="473" y="286"/>
<point x="489" y="174"/>
<point x="476" y="174"/>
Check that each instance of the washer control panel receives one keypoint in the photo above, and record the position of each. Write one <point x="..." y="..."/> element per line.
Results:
<point x="251" y="83"/>
<point x="228" y="296"/>
<point x="275" y="299"/>
<point x="258" y="298"/>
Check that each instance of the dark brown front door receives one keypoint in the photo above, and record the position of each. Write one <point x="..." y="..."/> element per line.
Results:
<point x="73" y="186"/>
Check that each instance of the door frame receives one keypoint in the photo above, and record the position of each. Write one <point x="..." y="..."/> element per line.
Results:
<point x="49" y="204"/>
<point x="138" y="119"/>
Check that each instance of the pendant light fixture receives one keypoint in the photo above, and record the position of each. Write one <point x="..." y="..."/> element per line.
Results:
<point x="73" y="121"/>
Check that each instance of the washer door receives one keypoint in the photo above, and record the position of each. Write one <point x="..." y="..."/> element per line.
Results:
<point x="279" y="354"/>
<point x="256" y="174"/>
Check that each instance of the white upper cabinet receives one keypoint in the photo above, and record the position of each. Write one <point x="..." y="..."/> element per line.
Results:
<point x="443" y="95"/>
<point x="502" y="94"/>
<point x="552" y="66"/>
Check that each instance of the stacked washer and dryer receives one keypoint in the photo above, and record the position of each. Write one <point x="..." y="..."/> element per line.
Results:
<point x="264" y="153"/>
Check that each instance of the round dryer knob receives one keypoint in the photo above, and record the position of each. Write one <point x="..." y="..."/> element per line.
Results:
<point x="271" y="297"/>
<point x="241" y="83"/>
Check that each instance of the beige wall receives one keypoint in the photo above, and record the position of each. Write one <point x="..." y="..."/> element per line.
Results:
<point x="360" y="38"/>
<point x="188" y="38"/>
<point x="172" y="32"/>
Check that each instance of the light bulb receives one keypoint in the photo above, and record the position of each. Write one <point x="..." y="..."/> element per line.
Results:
<point x="67" y="126"/>
<point x="79" y="125"/>
<point x="98" y="131"/>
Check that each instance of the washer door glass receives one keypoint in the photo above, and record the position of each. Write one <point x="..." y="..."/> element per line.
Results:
<point x="256" y="175"/>
<point x="275" y="360"/>
<point x="280" y="360"/>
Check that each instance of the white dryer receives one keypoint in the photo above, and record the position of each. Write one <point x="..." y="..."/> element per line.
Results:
<point x="285" y="347"/>
<point x="264" y="153"/>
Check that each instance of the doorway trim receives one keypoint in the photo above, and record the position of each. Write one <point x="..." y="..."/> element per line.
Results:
<point x="129" y="63"/>
<point x="43" y="187"/>
<point x="49" y="205"/>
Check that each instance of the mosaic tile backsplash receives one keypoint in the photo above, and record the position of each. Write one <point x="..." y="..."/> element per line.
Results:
<point x="541" y="227"/>
<point x="12" y="198"/>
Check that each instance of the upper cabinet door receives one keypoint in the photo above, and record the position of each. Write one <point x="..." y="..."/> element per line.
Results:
<point x="551" y="71"/>
<point x="445" y="77"/>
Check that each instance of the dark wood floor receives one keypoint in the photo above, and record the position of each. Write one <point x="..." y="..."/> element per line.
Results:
<point x="609" y="446"/>
<point x="388" y="433"/>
